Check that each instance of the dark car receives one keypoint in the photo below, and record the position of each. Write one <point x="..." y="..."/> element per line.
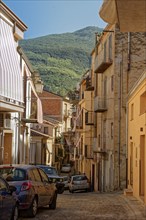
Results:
<point x="8" y="202"/>
<point x="33" y="187"/>
<point x="54" y="177"/>
<point x="66" y="181"/>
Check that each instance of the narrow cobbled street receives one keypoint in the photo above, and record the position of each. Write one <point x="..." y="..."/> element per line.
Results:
<point x="93" y="206"/>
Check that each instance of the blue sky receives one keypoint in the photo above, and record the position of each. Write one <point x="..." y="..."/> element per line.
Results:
<point x="56" y="16"/>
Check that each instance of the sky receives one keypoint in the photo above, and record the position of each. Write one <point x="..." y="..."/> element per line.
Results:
<point x="45" y="17"/>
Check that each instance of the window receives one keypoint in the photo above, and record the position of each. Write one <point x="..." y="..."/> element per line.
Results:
<point x="31" y="175"/>
<point x="86" y="150"/>
<point x="143" y="103"/>
<point x="46" y="130"/>
<point x="112" y="130"/>
<point x="43" y="175"/>
<point x="105" y="52"/>
<point x="99" y="140"/>
<point x="37" y="175"/>
<point x="112" y="83"/>
<point x="110" y="47"/>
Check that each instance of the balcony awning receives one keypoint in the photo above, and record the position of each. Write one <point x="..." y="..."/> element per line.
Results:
<point x="130" y="15"/>
<point x="11" y="82"/>
<point x="39" y="103"/>
<point x="38" y="133"/>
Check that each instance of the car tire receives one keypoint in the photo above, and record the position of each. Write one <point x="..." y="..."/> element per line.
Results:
<point x="60" y="191"/>
<point x="15" y="214"/>
<point x="52" y="205"/>
<point x="32" y="211"/>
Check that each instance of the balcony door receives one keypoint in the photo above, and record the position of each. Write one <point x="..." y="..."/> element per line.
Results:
<point x="7" y="156"/>
<point x="142" y="165"/>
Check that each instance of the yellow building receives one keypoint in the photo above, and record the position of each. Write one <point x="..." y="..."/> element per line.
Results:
<point x="137" y="139"/>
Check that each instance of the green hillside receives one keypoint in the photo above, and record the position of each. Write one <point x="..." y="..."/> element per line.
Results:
<point x="61" y="59"/>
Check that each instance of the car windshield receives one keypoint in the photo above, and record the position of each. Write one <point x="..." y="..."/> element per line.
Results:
<point x="66" y="165"/>
<point x="12" y="174"/>
<point x="50" y="170"/>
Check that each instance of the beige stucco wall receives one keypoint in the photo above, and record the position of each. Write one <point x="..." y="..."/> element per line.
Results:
<point x="136" y="130"/>
<point x="128" y="52"/>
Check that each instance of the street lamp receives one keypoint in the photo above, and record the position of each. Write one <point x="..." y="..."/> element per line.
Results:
<point x="38" y="82"/>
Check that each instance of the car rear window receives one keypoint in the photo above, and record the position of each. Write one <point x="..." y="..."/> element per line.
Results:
<point x="66" y="165"/>
<point x="79" y="178"/>
<point x="50" y="170"/>
<point x="12" y="174"/>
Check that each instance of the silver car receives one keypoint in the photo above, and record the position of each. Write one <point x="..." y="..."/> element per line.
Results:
<point x="66" y="168"/>
<point x="79" y="182"/>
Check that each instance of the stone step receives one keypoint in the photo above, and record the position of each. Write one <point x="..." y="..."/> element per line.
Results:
<point x="128" y="192"/>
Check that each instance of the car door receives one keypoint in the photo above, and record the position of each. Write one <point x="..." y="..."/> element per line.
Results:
<point x="47" y="185"/>
<point x="7" y="201"/>
<point x="39" y="187"/>
<point x="1" y="210"/>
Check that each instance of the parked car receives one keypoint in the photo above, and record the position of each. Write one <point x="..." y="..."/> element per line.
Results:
<point x="33" y="188"/>
<point x="79" y="182"/>
<point x="53" y="177"/>
<point x="8" y="201"/>
<point x="66" y="168"/>
<point x="66" y="181"/>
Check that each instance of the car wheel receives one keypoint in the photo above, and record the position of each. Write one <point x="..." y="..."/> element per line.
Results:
<point x="15" y="213"/>
<point x="52" y="205"/>
<point x="32" y="211"/>
<point x="60" y="191"/>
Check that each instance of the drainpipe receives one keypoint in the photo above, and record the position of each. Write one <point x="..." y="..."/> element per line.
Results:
<point x="129" y="59"/>
<point x="1" y="147"/>
<point x="119" y="123"/>
<point x="127" y="114"/>
<point x="129" y="51"/>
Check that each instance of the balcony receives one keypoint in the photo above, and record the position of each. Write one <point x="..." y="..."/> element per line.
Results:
<point x="89" y="86"/>
<point x="97" y="149"/>
<point x="102" y="62"/>
<point x="89" y="118"/>
<point x="124" y="15"/>
<point x="74" y="98"/>
<point x="95" y="145"/>
<point x="67" y="113"/>
<point x="100" y="104"/>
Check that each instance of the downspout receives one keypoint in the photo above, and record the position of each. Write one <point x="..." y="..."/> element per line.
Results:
<point x="129" y="59"/>
<point x="1" y="147"/>
<point x="127" y="113"/>
<point x="119" y="124"/>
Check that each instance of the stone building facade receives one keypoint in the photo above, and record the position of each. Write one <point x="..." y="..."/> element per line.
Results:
<point x="119" y="62"/>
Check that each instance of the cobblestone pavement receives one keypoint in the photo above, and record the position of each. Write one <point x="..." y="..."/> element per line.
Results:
<point x="93" y="206"/>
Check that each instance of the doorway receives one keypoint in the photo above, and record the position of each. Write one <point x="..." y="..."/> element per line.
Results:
<point x="7" y="156"/>
<point x="142" y="165"/>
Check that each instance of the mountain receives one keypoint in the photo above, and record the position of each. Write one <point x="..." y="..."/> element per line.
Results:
<point x="61" y="59"/>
